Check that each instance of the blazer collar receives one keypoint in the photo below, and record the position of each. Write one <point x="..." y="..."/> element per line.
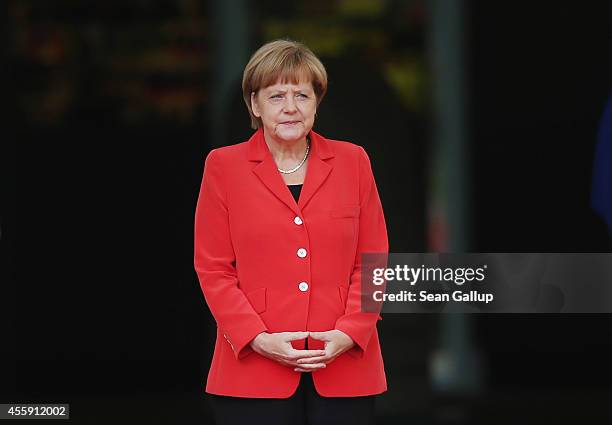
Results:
<point x="267" y="171"/>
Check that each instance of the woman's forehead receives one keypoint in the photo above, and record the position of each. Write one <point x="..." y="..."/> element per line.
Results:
<point x="289" y="85"/>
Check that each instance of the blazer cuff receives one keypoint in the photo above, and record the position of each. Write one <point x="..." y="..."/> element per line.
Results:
<point x="240" y="341"/>
<point x="360" y="339"/>
<point x="356" y="351"/>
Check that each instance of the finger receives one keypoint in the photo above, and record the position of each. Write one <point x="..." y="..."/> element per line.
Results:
<point x="309" y="368"/>
<point x="295" y="355"/>
<point x="292" y="336"/>
<point x="321" y="336"/>
<point x="309" y="353"/>
<point x="311" y="360"/>
<point x="312" y="366"/>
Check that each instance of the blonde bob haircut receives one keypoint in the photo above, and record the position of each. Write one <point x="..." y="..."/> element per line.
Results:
<point x="284" y="61"/>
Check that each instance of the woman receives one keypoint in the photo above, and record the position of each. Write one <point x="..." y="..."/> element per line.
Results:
<point x="281" y="222"/>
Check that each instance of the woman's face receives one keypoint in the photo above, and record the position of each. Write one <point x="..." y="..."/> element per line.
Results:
<point x="287" y="110"/>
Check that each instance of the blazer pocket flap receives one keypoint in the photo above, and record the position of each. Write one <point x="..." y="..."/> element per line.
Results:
<point x="257" y="298"/>
<point x="345" y="211"/>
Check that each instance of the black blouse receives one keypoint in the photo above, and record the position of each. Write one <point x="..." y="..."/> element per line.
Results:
<point x="295" y="190"/>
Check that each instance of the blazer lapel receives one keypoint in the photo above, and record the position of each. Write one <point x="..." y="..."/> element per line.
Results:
<point x="267" y="171"/>
<point x="318" y="168"/>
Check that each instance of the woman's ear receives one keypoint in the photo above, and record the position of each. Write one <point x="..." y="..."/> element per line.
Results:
<point x="254" y="106"/>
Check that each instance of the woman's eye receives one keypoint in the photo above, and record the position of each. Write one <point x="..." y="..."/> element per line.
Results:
<point x="276" y="96"/>
<point x="303" y="96"/>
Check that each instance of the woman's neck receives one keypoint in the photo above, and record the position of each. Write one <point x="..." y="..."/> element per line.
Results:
<point x="286" y="150"/>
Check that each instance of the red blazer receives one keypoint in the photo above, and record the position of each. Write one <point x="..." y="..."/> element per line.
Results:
<point x="266" y="263"/>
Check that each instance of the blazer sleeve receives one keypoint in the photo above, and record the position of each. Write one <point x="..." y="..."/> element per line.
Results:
<point x="214" y="261"/>
<point x="372" y="238"/>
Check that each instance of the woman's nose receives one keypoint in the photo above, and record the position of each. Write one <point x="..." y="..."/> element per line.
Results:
<point x="289" y="104"/>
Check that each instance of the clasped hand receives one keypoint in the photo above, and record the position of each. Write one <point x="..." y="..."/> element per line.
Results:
<point x="277" y="346"/>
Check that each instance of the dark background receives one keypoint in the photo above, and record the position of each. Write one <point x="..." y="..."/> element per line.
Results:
<point x="109" y="119"/>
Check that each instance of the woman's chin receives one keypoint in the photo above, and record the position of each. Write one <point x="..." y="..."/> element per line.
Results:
<point x="290" y="135"/>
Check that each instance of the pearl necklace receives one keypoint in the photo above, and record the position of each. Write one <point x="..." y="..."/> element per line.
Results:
<point x="297" y="167"/>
